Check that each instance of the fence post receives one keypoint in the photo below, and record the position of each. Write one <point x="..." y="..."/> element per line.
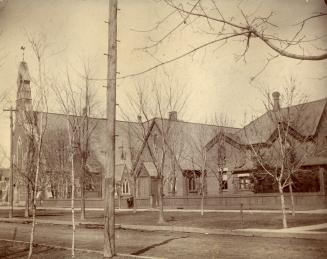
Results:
<point x="241" y="212"/>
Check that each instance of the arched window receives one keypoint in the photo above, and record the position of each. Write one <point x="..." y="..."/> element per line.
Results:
<point x="19" y="154"/>
<point x="125" y="189"/>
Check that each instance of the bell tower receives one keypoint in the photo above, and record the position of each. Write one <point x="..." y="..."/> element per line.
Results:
<point x="24" y="98"/>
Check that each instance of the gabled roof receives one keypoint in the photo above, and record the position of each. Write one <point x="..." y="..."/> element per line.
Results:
<point x="230" y="138"/>
<point x="183" y="136"/>
<point x="304" y="120"/>
<point x="151" y="169"/>
<point x="119" y="171"/>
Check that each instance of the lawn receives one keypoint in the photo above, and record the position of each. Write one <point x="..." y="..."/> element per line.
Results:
<point x="218" y="220"/>
<point x="221" y="220"/>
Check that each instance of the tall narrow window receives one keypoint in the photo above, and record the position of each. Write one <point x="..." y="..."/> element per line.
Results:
<point x="192" y="183"/>
<point x="19" y="157"/>
<point x="125" y="189"/>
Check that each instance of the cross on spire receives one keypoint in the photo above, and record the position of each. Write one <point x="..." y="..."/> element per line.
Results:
<point x="23" y="51"/>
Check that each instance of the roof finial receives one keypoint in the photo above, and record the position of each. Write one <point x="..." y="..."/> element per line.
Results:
<point x="23" y="49"/>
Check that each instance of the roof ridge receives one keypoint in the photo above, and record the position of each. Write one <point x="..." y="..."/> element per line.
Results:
<point x="290" y="106"/>
<point x="319" y="100"/>
<point x="90" y="117"/>
<point x="198" y="123"/>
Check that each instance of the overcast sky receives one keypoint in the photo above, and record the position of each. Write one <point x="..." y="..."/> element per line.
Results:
<point x="75" y="31"/>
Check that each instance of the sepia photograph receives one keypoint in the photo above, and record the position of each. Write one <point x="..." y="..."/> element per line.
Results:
<point x="163" y="129"/>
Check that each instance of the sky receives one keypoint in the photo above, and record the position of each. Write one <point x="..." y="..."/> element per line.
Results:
<point x="76" y="32"/>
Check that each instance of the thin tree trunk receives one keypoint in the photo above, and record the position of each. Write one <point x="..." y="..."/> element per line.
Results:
<point x="160" y="201"/>
<point x="282" y="200"/>
<point x="27" y="202"/>
<point x="72" y="205"/>
<point x="202" y="193"/>
<point x="38" y="164"/>
<point x="292" y="199"/>
<point x="134" y="194"/>
<point x="66" y="189"/>
<point x="84" y="149"/>
<point x="202" y="197"/>
<point x="82" y="181"/>
<point x="202" y="204"/>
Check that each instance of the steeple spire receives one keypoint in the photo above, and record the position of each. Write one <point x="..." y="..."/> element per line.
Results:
<point x="23" y="51"/>
<point x="24" y="99"/>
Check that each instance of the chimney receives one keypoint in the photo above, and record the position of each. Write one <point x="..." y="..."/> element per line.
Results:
<point x="173" y="115"/>
<point x="276" y="105"/>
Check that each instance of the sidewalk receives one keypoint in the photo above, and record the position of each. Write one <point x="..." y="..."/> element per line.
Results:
<point x="318" y="211"/>
<point x="304" y="232"/>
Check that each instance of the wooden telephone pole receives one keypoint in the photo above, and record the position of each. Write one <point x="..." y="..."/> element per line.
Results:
<point x="109" y="218"/>
<point x="11" y="179"/>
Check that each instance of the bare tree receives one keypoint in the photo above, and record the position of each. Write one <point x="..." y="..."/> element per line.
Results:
<point x="57" y="155"/>
<point x="227" y="152"/>
<point x="177" y="147"/>
<point x="71" y="135"/>
<point x="283" y="156"/>
<point x="39" y="47"/>
<point x="153" y="103"/>
<point x="199" y="158"/>
<point x="218" y="28"/>
<point x="3" y="102"/>
<point x="3" y="98"/>
<point x="136" y="135"/>
<point x="71" y="107"/>
<point x="70" y="99"/>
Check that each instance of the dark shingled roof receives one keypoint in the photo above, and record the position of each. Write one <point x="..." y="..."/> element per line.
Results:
<point x="128" y="139"/>
<point x="186" y="136"/>
<point x="125" y="140"/>
<point x="304" y="119"/>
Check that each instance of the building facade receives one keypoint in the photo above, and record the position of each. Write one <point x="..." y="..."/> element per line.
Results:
<point x="192" y="160"/>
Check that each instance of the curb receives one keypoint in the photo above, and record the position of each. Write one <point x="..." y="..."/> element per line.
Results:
<point x="85" y="224"/>
<point x="235" y="232"/>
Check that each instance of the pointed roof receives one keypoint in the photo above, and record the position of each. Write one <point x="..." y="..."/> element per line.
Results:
<point x="304" y="120"/>
<point x="120" y="171"/>
<point x="182" y="136"/>
<point x="150" y="169"/>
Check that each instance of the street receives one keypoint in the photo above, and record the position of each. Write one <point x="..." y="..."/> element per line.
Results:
<point x="172" y="245"/>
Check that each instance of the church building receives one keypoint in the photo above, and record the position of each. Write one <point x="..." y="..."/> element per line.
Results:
<point x="193" y="160"/>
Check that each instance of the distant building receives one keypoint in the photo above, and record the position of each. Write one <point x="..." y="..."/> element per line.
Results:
<point x="228" y="167"/>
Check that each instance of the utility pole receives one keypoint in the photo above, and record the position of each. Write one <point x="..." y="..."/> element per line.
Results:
<point x="11" y="179"/>
<point x="109" y="218"/>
